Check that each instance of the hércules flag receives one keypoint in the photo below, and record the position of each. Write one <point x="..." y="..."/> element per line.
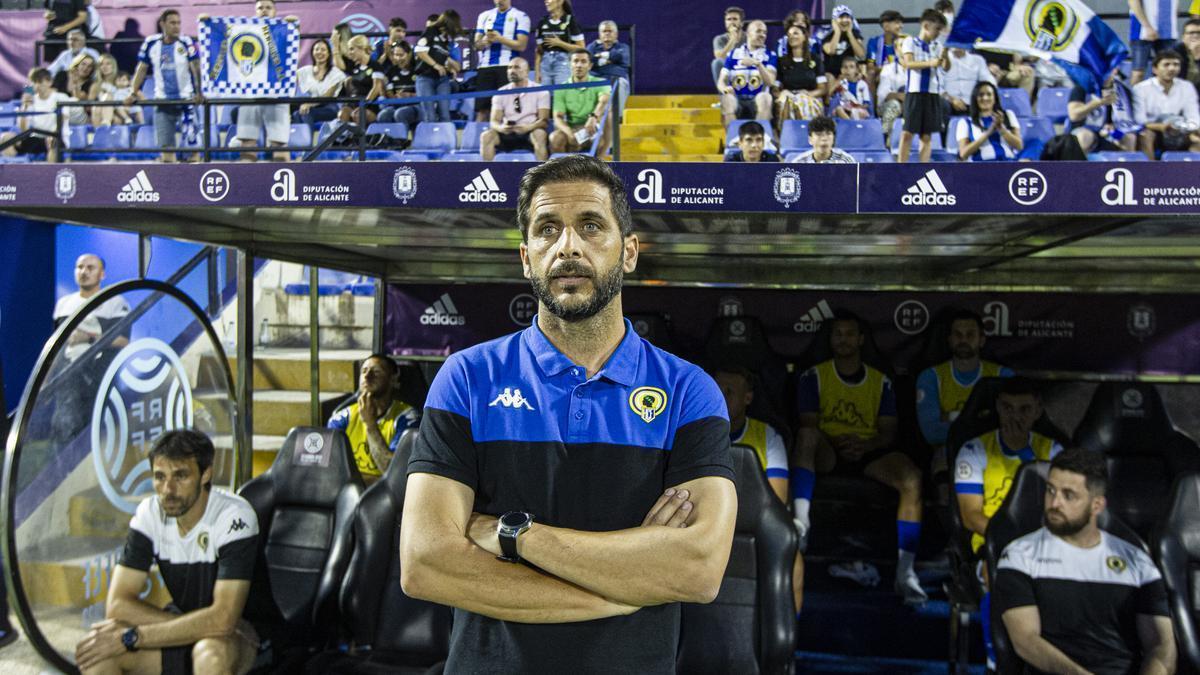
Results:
<point x="248" y="57"/>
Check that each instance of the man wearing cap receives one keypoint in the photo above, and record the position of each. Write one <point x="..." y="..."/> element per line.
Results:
<point x="842" y="40"/>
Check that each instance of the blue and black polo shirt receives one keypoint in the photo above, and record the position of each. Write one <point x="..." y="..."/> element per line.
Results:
<point x="524" y="427"/>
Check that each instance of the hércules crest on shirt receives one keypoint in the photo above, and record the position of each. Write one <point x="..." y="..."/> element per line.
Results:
<point x="648" y="402"/>
<point x="1116" y="563"/>
<point x="203" y="541"/>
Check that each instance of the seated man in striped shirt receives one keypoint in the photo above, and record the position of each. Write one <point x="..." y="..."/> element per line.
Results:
<point x="822" y="135"/>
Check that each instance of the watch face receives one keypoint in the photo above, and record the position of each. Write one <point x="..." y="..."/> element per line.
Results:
<point x="514" y="519"/>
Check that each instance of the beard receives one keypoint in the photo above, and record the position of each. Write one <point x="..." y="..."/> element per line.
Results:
<point x="179" y="505"/>
<point x="1067" y="527"/>
<point x="965" y="352"/>
<point x="606" y="287"/>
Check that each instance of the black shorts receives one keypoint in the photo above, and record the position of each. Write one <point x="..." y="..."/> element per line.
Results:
<point x="747" y="109"/>
<point x="845" y="467"/>
<point x="488" y="79"/>
<point x="514" y="142"/>
<point x="922" y="113"/>
<point x="177" y="660"/>
<point x="31" y="145"/>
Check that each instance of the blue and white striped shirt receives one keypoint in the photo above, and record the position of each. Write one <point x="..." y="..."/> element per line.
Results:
<point x="171" y="65"/>
<point x="995" y="149"/>
<point x="1161" y="15"/>
<point x="923" y="80"/>
<point x="511" y="24"/>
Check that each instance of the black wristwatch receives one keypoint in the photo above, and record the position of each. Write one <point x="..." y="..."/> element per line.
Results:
<point x="130" y="639"/>
<point x="508" y="528"/>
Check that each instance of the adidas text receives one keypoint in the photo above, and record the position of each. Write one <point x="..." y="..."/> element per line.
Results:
<point x="443" y="320"/>
<point x="929" y="190"/>
<point x="928" y="200"/>
<point x="138" y="189"/>
<point x="483" y="189"/>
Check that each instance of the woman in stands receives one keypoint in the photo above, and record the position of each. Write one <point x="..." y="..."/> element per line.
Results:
<point x="435" y="68"/>
<point x="319" y="79"/>
<point x="365" y="79"/>
<point x="800" y="87"/>
<point x="991" y="133"/>
<point x="102" y="89"/>
<point x="796" y="17"/>
<point x="77" y="82"/>
<point x="558" y="35"/>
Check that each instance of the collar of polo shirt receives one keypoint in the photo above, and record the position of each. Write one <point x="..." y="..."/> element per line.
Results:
<point x="621" y="367"/>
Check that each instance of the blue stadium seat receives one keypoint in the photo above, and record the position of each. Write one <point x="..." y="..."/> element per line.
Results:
<point x="384" y="156"/>
<point x="1180" y="156"/>
<point x="860" y="134"/>
<point x="300" y="134"/>
<point x="1016" y="99"/>
<point x="325" y="131"/>
<point x="77" y="137"/>
<point x="470" y="138"/>
<point x="872" y="156"/>
<point x="939" y="155"/>
<point x="434" y="138"/>
<point x="464" y="157"/>
<point x="225" y="116"/>
<point x="393" y="129"/>
<point x="1052" y="102"/>
<point x="109" y="138"/>
<point x="1117" y="156"/>
<point x="898" y="128"/>
<point x="794" y="136"/>
<point x="1036" y="129"/>
<point x="515" y="157"/>
<point x="144" y="139"/>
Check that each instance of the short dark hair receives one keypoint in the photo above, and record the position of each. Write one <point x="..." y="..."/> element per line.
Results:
<point x="965" y="315"/>
<point x="1091" y="465"/>
<point x="1165" y="55"/>
<point x="751" y="128"/>
<point x="890" y="15"/>
<point x="397" y="22"/>
<point x="934" y="16"/>
<point x="572" y="169"/>
<point x="40" y="75"/>
<point x="943" y="5"/>
<point x="166" y="13"/>
<point x="401" y="44"/>
<point x="391" y="365"/>
<point x="1019" y="386"/>
<point x="733" y="9"/>
<point x="822" y="123"/>
<point x="735" y="369"/>
<point x="845" y="314"/>
<point x="1195" y="21"/>
<point x="184" y="444"/>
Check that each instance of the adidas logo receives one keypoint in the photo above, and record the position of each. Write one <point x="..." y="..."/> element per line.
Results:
<point x="138" y="189"/>
<point x="811" y="321"/>
<point x="929" y="191"/>
<point x="483" y="189"/>
<point x="443" y="313"/>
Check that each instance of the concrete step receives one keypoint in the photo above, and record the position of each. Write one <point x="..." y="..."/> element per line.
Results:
<point x="635" y="157"/>
<point x="265" y="446"/>
<point x="671" y="101"/>
<point x="51" y="574"/>
<point x="673" y="116"/>
<point x="633" y="131"/>
<point x="277" y="411"/>
<point x="679" y="145"/>
<point x="283" y="368"/>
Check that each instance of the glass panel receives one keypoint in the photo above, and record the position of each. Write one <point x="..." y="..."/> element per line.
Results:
<point x="116" y="380"/>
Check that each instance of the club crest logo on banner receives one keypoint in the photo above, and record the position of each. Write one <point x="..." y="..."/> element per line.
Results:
<point x="248" y="57"/>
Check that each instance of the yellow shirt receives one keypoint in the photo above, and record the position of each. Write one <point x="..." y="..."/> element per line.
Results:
<point x="767" y="444"/>
<point x="399" y="416"/>
<point x="952" y="395"/>
<point x="987" y="468"/>
<point x="847" y="408"/>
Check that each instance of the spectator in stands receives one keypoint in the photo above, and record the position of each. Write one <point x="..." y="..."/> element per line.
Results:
<point x="1151" y="30"/>
<point x="881" y="49"/>
<point x="558" y="35"/>
<point x="1011" y="71"/>
<point x="76" y="45"/>
<point x="43" y="98"/>
<point x="842" y="40"/>
<point x="611" y="60"/>
<point x="752" y="145"/>
<point x="746" y="80"/>
<point x="925" y="58"/>
<point x="889" y="94"/>
<point x="435" y="68"/>
<point x="207" y="575"/>
<point x="990" y="133"/>
<point x="274" y="118"/>
<point x="1167" y="107"/>
<point x="126" y="114"/>
<point x="318" y="79"/>
<point x="942" y="390"/>
<point x="365" y="79"/>
<point x="401" y="83"/>
<point x="1189" y="52"/>
<point x="851" y="98"/>
<point x="397" y="31"/>
<point x="798" y="17"/>
<point x="724" y="44"/>
<point x="95" y="27"/>
<point x="946" y="8"/>
<point x="1077" y="599"/>
<point x="848" y="422"/>
<point x="175" y="61"/>
<point x="1104" y="122"/>
<point x="89" y="277"/>
<point x="800" y="85"/>
<point x="103" y="89"/>
<point x="519" y="120"/>
<point x="1047" y="73"/>
<point x="822" y="136"/>
<point x="578" y="113"/>
<point x="375" y="422"/>
<point x="62" y="17"/>
<point x="967" y="69"/>
<point x="78" y="82"/>
<point x="501" y="34"/>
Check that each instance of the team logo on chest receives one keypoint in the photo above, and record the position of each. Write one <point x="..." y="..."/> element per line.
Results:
<point x="648" y="402"/>
<point x="511" y="398"/>
<point x="1116" y="564"/>
<point x="203" y="541"/>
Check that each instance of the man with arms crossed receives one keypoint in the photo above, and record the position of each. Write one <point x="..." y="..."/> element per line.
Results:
<point x="204" y="541"/>
<point x="1076" y="599"/>
<point x="606" y="459"/>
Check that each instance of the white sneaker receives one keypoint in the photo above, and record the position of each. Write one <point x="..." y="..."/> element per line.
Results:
<point x="908" y="586"/>
<point x="801" y="533"/>
<point x="858" y="571"/>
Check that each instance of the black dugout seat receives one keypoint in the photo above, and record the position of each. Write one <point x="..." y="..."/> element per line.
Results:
<point x="304" y="504"/>
<point x="1020" y="514"/>
<point x="387" y="630"/>
<point x="653" y="328"/>
<point x="1128" y="422"/>
<point x="751" y="626"/>
<point x="1177" y="552"/>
